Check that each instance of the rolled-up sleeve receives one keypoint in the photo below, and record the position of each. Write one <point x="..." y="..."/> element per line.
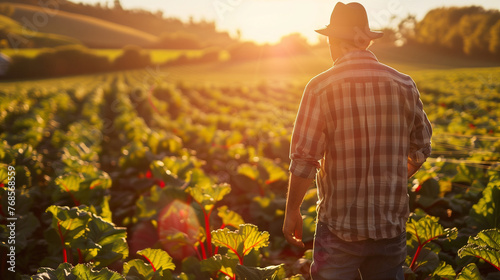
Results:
<point x="420" y="136"/>
<point x="308" y="138"/>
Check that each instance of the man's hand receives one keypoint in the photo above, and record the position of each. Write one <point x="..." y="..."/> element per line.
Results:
<point x="292" y="228"/>
<point x="412" y="169"/>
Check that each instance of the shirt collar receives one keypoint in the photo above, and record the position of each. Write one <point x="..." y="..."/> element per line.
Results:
<point x="355" y="55"/>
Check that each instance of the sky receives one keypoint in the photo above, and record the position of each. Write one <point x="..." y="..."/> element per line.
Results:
<point x="268" y="20"/>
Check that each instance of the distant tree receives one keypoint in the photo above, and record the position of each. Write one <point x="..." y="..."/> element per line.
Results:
<point x="132" y="57"/>
<point x="467" y="30"/>
<point x="406" y="29"/>
<point x="494" y="46"/>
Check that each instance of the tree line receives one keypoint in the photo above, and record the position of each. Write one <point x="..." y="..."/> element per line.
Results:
<point x="472" y="30"/>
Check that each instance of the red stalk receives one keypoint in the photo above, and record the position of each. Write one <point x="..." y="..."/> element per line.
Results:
<point x="203" y="250"/>
<point x="197" y="252"/>
<point x="207" y="231"/>
<point x="80" y="256"/>
<point x="154" y="269"/>
<point x="65" y="254"/>
<point x="75" y="201"/>
<point x="234" y="276"/>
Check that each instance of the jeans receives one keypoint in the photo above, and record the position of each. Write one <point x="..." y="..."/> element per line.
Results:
<point x="334" y="258"/>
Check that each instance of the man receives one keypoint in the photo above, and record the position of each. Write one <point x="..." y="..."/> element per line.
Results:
<point x="362" y="125"/>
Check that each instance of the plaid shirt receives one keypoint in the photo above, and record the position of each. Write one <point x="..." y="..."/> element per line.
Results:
<point x="360" y="123"/>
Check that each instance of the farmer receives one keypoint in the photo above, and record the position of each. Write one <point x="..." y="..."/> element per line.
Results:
<point x="361" y="131"/>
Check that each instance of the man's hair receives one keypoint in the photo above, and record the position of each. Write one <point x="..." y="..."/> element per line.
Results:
<point x="360" y="43"/>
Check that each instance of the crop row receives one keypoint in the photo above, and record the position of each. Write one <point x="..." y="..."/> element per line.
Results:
<point x="127" y="175"/>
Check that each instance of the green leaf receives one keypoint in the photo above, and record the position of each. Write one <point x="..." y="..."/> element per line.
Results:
<point x="241" y="241"/>
<point x="220" y="263"/>
<point x="63" y="272"/>
<point x="109" y="240"/>
<point x="427" y="229"/>
<point x="71" y="223"/>
<point x="229" y="217"/>
<point x="427" y="262"/>
<point x="248" y="170"/>
<point x="169" y="174"/>
<point x="276" y="173"/>
<point x="486" y="212"/>
<point x="138" y="268"/>
<point x="159" y="259"/>
<point x="86" y="187"/>
<point x="99" y="240"/>
<point x="486" y="246"/>
<point x="444" y="271"/>
<point x="470" y="272"/>
<point x="83" y="271"/>
<point x="257" y="273"/>
<point x="207" y="195"/>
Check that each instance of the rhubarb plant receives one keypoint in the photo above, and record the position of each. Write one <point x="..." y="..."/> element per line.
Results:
<point x="422" y="232"/>
<point x="240" y="243"/>
<point x="87" y="236"/>
<point x="485" y="245"/>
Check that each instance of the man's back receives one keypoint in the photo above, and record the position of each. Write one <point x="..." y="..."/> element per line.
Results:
<point x="364" y="120"/>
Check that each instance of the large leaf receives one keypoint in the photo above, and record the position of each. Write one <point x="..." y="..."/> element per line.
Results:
<point x="208" y="194"/>
<point x="248" y="171"/>
<point x="423" y="231"/>
<point x="70" y="223"/>
<point x="229" y="217"/>
<point x="110" y="242"/>
<point x="99" y="241"/>
<point x="138" y="268"/>
<point x="219" y="263"/>
<point x="169" y="174"/>
<point x="83" y="271"/>
<point x="158" y="259"/>
<point x="486" y="212"/>
<point x="241" y="241"/>
<point x="444" y="271"/>
<point x="470" y="272"/>
<point x="88" y="187"/>
<point x="273" y="272"/>
<point x="486" y="246"/>
<point x="427" y="229"/>
<point x="178" y="229"/>
<point x="63" y="271"/>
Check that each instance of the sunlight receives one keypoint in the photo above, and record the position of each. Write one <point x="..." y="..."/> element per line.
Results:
<point x="268" y="21"/>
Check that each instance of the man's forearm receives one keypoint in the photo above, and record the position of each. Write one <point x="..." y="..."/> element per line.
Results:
<point x="297" y="189"/>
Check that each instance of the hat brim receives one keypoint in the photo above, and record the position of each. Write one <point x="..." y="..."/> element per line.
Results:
<point x="328" y="31"/>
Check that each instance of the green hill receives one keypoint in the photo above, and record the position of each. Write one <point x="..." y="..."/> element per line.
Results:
<point x="14" y="35"/>
<point x="92" y="32"/>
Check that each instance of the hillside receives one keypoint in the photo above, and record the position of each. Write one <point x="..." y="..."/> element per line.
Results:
<point x="152" y="23"/>
<point x="14" y="35"/>
<point x="92" y="32"/>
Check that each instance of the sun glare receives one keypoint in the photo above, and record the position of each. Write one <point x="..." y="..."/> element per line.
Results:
<point x="268" y="21"/>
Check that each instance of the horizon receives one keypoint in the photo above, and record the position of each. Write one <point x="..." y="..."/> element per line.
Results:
<point x="265" y="22"/>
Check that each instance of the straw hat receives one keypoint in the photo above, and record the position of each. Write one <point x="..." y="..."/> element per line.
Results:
<point x="349" y="22"/>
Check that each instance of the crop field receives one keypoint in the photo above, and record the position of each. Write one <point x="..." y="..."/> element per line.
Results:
<point x="136" y="175"/>
<point x="158" y="56"/>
